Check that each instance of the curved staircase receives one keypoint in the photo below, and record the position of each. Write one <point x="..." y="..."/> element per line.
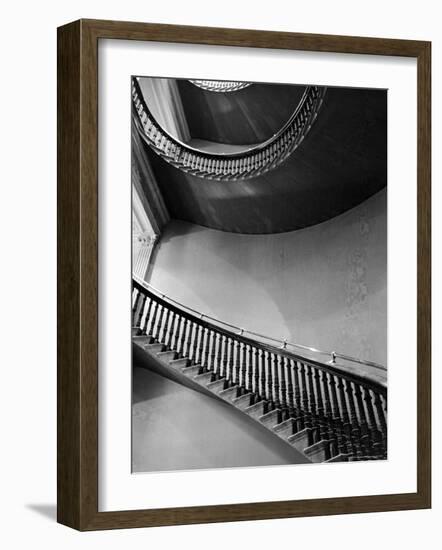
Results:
<point x="252" y="162"/>
<point x="327" y="414"/>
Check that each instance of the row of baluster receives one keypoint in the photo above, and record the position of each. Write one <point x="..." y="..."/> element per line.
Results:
<point x="247" y="165"/>
<point x="350" y="415"/>
<point x="220" y="85"/>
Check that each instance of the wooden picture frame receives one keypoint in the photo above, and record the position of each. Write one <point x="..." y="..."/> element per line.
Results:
<point x="78" y="274"/>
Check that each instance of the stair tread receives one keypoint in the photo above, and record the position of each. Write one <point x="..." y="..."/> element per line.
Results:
<point x="256" y="410"/>
<point x="191" y="370"/>
<point x="243" y="401"/>
<point x="270" y="416"/>
<point x="217" y="383"/>
<point x="227" y="393"/>
<point x="154" y="347"/>
<point x="203" y="376"/>
<point x="284" y="425"/>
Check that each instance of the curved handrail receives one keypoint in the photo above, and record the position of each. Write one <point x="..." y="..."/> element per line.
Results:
<point x="281" y="349"/>
<point x="243" y="164"/>
<point x="217" y="86"/>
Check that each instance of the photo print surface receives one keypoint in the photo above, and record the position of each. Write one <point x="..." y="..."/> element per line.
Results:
<point x="259" y="274"/>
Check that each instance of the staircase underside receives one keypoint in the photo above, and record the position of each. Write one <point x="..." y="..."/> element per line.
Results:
<point x="341" y="162"/>
<point x="166" y="362"/>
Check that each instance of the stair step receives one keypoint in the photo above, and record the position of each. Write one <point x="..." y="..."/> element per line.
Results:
<point x="339" y="458"/>
<point x="256" y="410"/>
<point x="271" y="418"/>
<point x="243" y="401"/>
<point x="285" y="429"/>
<point x="143" y="339"/>
<point x="217" y="385"/>
<point x="154" y="348"/>
<point x="318" y="452"/>
<point x="229" y="393"/>
<point x="191" y="371"/>
<point x="180" y="363"/>
<point x="167" y="355"/>
<point x="204" y="378"/>
<point x="301" y="440"/>
<point x="135" y="331"/>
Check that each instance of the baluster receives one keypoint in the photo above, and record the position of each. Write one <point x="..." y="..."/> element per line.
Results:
<point x="229" y="373"/>
<point x="219" y="355"/>
<point x="255" y="363"/>
<point x="323" y="435"/>
<point x="375" y="439"/>
<point x="345" y="416"/>
<point x="356" y="436"/>
<point x="150" y="317"/>
<point x="280" y="366"/>
<point x="209" y="343"/>
<point x="249" y="353"/>
<point x="304" y="397"/>
<point x="328" y="413"/>
<point x="381" y="419"/>
<point x="160" y="322"/>
<point x="143" y="328"/>
<point x="288" y="371"/>
<point x="276" y="380"/>
<point x="144" y="316"/>
<point x="269" y="380"/>
<point x="223" y="357"/>
<point x="200" y="345"/>
<point x="214" y="352"/>
<point x="299" y="414"/>
<point x="135" y="294"/>
<point x="179" y="336"/>
<point x="158" y="313"/>
<point x="363" y="425"/>
<point x="312" y="402"/>
<point x="140" y="311"/>
<point x="193" y="342"/>
<point x="249" y="364"/>
<point x="235" y="362"/>
<point x="205" y="353"/>
<point x="163" y="328"/>
<point x="186" y="337"/>
<point x="263" y="376"/>
<point x="242" y="367"/>
<point x="173" y="342"/>
<point x="169" y="331"/>
<point x="330" y="385"/>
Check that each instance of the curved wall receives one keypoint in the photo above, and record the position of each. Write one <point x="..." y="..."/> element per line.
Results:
<point x="324" y="286"/>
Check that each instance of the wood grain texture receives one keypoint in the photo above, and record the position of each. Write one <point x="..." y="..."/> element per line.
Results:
<point x="77" y="335"/>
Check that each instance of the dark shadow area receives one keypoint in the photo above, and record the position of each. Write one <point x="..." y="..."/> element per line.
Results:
<point x="48" y="511"/>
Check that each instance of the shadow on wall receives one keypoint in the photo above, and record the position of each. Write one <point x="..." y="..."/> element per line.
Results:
<point x="323" y="286"/>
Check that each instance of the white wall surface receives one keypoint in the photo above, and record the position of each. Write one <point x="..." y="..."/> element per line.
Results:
<point x="323" y="286"/>
<point x="27" y="218"/>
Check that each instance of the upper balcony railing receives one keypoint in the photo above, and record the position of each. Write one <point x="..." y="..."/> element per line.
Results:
<point x="244" y="164"/>
<point x="220" y="85"/>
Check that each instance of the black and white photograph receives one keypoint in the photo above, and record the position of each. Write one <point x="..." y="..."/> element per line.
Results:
<point x="259" y="274"/>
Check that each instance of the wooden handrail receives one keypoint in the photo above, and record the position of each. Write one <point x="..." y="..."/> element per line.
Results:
<point x="244" y="164"/>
